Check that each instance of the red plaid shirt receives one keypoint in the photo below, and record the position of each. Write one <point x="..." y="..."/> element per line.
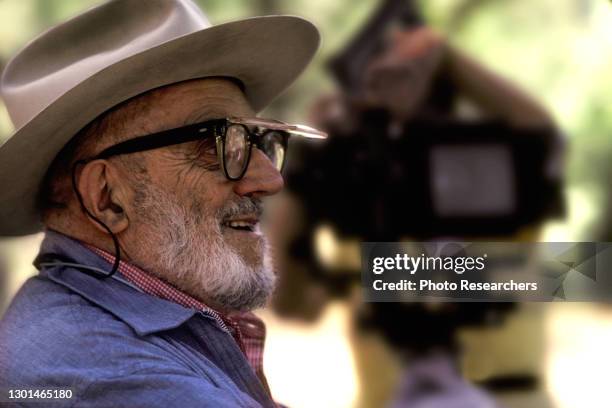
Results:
<point x="247" y="329"/>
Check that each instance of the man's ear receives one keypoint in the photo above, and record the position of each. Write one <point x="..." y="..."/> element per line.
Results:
<point x="103" y="195"/>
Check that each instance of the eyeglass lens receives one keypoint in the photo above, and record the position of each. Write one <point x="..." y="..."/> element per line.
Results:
<point x="272" y="145"/>
<point x="236" y="151"/>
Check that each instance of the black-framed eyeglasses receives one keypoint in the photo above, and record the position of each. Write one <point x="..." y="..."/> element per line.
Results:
<point x="234" y="138"/>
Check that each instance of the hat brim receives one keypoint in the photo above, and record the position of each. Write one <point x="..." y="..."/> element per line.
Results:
<point x="265" y="53"/>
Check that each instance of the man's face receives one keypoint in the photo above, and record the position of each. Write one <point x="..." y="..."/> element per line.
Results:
<point x="189" y="225"/>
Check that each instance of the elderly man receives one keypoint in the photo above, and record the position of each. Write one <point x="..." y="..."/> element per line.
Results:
<point x="138" y="151"/>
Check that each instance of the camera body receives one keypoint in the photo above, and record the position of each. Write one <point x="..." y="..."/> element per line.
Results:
<point x="428" y="179"/>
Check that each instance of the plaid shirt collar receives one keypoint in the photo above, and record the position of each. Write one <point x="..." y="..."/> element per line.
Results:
<point x="246" y="328"/>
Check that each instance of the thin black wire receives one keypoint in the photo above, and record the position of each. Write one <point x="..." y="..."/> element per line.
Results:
<point x="93" y="217"/>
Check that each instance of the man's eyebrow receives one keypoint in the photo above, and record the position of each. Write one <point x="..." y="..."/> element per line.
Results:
<point x="202" y="115"/>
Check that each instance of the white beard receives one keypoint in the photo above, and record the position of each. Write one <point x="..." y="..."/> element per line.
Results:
<point x="187" y="249"/>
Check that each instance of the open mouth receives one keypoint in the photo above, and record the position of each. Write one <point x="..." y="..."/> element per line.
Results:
<point x="241" y="225"/>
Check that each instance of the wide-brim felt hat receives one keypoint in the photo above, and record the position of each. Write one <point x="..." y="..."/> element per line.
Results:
<point x="72" y="73"/>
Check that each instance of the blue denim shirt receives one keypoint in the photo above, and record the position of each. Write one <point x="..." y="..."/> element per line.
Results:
<point x="115" y="346"/>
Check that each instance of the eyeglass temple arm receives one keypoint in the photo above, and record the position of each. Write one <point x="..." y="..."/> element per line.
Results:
<point x="164" y="138"/>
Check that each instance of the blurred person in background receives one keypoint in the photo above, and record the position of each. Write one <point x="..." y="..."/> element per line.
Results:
<point x="417" y="84"/>
<point x="402" y="80"/>
<point x="138" y="152"/>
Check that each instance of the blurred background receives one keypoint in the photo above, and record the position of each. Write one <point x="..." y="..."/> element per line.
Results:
<point x="549" y="59"/>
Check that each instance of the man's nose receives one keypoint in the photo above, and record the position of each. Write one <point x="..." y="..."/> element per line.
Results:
<point x="261" y="178"/>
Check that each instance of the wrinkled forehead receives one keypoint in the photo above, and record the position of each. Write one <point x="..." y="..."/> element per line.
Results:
<point x="181" y="104"/>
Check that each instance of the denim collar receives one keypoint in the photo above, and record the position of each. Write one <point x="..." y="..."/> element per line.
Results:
<point x="144" y="313"/>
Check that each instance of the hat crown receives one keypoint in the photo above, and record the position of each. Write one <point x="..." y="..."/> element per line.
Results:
<point x="67" y="54"/>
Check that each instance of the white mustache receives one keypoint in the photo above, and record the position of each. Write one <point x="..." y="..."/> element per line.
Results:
<point x="246" y="206"/>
